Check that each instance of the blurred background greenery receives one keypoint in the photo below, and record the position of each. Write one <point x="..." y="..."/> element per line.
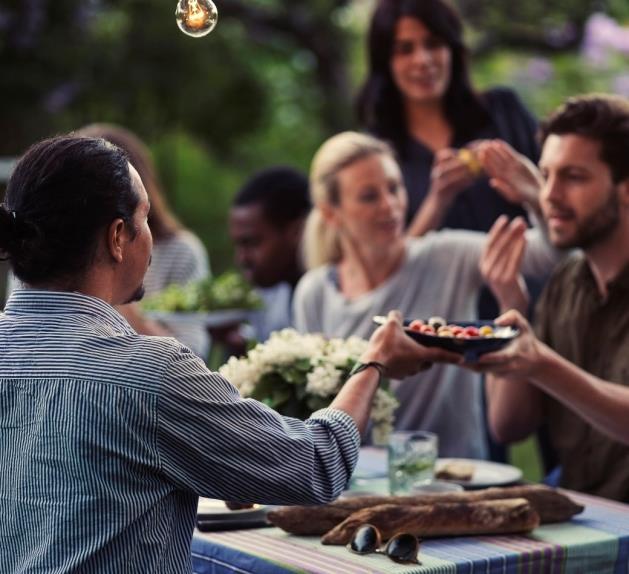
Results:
<point x="268" y="85"/>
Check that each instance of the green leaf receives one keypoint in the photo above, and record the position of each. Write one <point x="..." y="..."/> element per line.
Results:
<point x="316" y="403"/>
<point x="273" y="391"/>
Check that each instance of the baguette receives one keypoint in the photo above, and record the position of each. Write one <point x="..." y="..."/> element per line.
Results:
<point x="307" y="520"/>
<point x="551" y="505"/>
<point x="510" y="516"/>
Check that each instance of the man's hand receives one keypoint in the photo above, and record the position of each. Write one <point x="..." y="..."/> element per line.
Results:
<point x="501" y="260"/>
<point x="512" y="174"/>
<point x="521" y="359"/>
<point x="401" y="355"/>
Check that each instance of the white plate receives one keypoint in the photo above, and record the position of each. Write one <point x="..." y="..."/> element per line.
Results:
<point x="211" y="319"/>
<point x="213" y="509"/>
<point x="486" y="473"/>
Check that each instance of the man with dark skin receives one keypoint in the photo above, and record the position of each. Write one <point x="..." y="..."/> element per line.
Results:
<point x="266" y="223"/>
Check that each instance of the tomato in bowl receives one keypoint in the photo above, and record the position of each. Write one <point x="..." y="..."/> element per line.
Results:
<point x="470" y="338"/>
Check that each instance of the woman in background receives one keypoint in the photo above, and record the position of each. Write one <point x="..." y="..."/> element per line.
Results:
<point x="419" y="97"/>
<point x="178" y="255"/>
<point x="361" y="263"/>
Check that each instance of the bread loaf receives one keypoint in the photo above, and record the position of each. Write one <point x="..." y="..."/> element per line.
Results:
<point x="307" y="520"/>
<point x="549" y="503"/>
<point x="508" y="516"/>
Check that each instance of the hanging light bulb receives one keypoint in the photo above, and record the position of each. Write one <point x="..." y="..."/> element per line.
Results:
<point x="196" y="17"/>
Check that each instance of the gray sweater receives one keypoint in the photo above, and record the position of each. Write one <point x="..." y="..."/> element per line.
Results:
<point x="440" y="276"/>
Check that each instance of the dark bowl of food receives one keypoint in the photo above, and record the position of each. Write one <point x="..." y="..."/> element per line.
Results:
<point x="470" y="338"/>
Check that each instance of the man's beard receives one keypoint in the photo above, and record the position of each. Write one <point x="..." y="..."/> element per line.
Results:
<point x="139" y="292"/>
<point x="598" y="226"/>
<point x="136" y="296"/>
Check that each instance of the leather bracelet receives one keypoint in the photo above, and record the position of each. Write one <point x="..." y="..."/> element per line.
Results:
<point x="360" y="367"/>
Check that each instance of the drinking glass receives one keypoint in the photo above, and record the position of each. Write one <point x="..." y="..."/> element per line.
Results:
<point x="412" y="456"/>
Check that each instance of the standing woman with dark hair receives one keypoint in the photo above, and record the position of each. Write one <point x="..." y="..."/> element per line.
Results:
<point x="178" y="255"/>
<point x="418" y="96"/>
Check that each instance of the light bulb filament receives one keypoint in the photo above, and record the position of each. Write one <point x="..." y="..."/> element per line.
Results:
<point x="196" y="15"/>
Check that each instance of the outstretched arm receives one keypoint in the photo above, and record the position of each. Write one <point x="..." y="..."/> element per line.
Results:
<point x="603" y="404"/>
<point x="514" y="404"/>
<point x="220" y="445"/>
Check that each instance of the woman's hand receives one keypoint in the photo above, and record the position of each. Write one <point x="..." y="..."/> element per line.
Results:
<point x="512" y="174"/>
<point x="451" y="173"/>
<point x="500" y="263"/>
<point x="401" y="355"/>
<point x="521" y="359"/>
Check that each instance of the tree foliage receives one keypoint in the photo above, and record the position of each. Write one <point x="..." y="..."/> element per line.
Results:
<point x="540" y="25"/>
<point x="69" y="62"/>
<point x="267" y="86"/>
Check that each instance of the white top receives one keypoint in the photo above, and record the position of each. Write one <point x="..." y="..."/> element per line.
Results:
<point x="276" y="313"/>
<point x="440" y="277"/>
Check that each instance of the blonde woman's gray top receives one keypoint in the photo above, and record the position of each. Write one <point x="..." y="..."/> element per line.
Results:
<point x="440" y="276"/>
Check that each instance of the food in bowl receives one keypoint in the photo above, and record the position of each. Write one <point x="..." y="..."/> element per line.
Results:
<point x="440" y="328"/>
<point x="470" y="338"/>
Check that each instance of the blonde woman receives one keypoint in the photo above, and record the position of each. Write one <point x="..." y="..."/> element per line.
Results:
<point x="362" y="264"/>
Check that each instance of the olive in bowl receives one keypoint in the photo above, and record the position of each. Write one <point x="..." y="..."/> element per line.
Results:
<point x="470" y="338"/>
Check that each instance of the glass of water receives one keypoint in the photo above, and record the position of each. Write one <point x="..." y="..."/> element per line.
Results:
<point x="412" y="456"/>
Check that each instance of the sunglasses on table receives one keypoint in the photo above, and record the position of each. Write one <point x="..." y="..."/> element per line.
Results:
<point x="402" y="548"/>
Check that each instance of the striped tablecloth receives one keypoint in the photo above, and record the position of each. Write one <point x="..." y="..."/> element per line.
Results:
<point x="594" y="542"/>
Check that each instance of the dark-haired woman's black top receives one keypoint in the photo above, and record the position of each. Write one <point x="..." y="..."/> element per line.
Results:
<point x="478" y="206"/>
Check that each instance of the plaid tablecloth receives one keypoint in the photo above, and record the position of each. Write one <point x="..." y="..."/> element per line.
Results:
<point x="596" y="541"/>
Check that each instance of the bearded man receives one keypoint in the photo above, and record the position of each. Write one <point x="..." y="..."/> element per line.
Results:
<point x="572" y="371"/>
<point x="108" y="437"/>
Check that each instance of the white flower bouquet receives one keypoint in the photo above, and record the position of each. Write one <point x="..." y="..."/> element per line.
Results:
<point x="298" y="374"/>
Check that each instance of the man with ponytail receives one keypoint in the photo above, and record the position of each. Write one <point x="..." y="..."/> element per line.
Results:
<point x="108" y="437"/>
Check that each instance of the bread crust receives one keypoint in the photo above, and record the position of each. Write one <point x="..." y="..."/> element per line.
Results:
<point x="550" y="504"/>
<point x="510" y="516"/>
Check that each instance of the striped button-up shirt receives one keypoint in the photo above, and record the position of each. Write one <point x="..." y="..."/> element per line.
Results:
<point x="108" y="437"/>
